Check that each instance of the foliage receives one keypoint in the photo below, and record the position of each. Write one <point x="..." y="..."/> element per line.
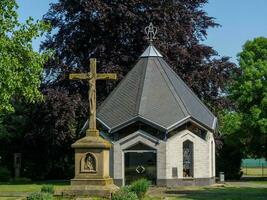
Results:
<point x="5" y="174"/>
<point x="229" y="160"/>
<point x="113" y="32"/>
<point x="124" y="193"/>
<point x="136" y="190"/>
<point x="40" y="196"/>
<point x="47" y="189"/>
<point x="140" y="187"/>
<point x="248" y="119"/>
<point x="49" y="142"/>
<point x="20" y="66"/>
<point x="43" y="133"/>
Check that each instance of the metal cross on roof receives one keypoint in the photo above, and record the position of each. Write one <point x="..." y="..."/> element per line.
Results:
<point x="151" y="32"/>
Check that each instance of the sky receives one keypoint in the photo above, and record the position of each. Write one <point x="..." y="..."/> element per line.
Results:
<point x="240" y="20"/>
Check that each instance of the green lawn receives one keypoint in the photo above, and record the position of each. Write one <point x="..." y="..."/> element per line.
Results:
<point x="32" y="187"/>
<point x="229" y="192"/>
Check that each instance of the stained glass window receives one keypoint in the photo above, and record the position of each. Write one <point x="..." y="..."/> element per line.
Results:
<point x="188" y="159"/>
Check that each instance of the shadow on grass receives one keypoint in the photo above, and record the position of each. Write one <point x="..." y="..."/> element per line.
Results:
<point x="227" y="193"/>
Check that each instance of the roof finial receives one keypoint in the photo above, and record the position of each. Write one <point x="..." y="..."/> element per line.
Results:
<point x="151" y="32"/>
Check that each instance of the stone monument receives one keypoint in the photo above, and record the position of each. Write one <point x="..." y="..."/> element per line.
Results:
<point x="91" y="152"/>
<point x="17" y="164"/>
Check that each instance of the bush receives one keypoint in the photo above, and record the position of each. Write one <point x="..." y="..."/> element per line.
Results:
<point x="124" y="194"/>
<point x="229" y="161"/>
<point x="40" y="196"/>
<point x="5" y="174"/>
<point x="48" y="189"/>
<point x="140" y="187"/>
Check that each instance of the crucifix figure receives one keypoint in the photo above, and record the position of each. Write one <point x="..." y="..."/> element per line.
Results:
<point x="91" y="77"/>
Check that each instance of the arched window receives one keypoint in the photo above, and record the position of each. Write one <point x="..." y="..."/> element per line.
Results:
<point x="188" y="159"/>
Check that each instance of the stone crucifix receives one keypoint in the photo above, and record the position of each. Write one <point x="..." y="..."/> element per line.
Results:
<point x="91" y="77"/>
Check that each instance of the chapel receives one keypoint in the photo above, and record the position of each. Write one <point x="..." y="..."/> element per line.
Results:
<point x="159" y="129"/>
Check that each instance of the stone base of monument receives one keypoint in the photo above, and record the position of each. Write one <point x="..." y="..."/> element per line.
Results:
<point x="91" y="168"/>
<point x="100" y="182"/>
<point x="87" y="191"/>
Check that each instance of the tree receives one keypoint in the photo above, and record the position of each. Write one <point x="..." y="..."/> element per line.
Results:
<point x="247" y="121"/>
<point x="21" y="72"/>
<point x="43" y="132"/>
<point x="113" y="32"/>
<point x="55" y="125"/>
<point x="20" y="66"/>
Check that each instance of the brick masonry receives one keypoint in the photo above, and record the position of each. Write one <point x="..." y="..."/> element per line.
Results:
<point x="169" y="156"/>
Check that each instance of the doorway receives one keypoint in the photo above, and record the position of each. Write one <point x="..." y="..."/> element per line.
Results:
<point x="140" y="161"/>
<point x="140" y="164"/>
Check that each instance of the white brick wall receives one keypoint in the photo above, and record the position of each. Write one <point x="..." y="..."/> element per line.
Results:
<point x="201" y="157"/>
<point x="132" y="139"/>
<point x="169" y="154"/>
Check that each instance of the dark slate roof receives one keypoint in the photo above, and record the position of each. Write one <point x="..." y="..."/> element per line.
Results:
<point x="153" y="93"/>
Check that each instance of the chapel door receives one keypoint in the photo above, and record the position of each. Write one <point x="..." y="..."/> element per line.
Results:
<point x="140" y="164"/>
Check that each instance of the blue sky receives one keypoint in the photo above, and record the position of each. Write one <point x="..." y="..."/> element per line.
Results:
<point x="240" y="20"/>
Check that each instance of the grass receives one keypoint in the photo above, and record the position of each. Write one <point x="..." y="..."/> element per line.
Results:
<point x="229" y="192"/>
<point x="31" y="187"/>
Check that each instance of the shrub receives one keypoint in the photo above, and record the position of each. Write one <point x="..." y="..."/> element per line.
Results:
<point x="140" y="187"/>
<point x="5" y="174"/>
<point x="40" y="196"/>
<point x="48" y="189"/>
<point x="229" y="161"/>
<point x="124" y="194"/>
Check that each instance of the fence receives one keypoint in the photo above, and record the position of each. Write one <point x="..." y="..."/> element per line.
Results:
<point x="254" y="167"/>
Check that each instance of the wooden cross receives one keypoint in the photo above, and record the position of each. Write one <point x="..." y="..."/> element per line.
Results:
<point x="91" y="77"/>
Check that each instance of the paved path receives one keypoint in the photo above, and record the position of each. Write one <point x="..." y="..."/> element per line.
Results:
<point x="247" y="184"/>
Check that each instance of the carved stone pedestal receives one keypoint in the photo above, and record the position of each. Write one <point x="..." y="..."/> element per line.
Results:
<point x="91" y="167"/>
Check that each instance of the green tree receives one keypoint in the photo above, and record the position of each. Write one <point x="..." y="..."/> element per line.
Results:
<point x="113" y="32"/>
<point x="20" y="65"/>
<point x="247" y="121"/>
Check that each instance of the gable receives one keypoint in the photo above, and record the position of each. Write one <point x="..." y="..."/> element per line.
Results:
<point x="192" y="129"/>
